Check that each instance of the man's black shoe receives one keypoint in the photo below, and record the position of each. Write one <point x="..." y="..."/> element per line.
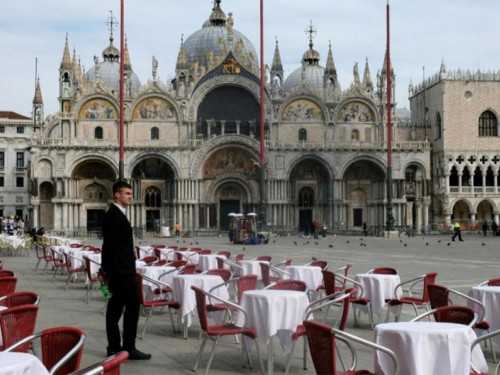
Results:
<point x="111" y="352"/>
<point x="137" y="355"/>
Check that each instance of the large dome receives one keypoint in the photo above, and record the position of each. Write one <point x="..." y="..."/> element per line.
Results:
<point x="109" y="72"/>
<point x="213" y="37"/>
<point x="314" y="75"/>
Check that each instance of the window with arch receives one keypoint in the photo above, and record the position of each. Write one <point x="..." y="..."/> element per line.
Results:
<point x="306" y="198"/>
<point x="438" y="125"/>
<point x="355" y="135"/>
<point x="488" y="124"/>
<point x="98" y="133"/>
<point x="303" y="135"/>
<point x="155" y="133"/>
<point x="152" y="198"/>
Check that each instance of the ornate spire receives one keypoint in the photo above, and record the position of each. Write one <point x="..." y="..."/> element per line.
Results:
<point x="111" y="53"/>
<point x="330" y="64"/>
<point x="181" y="58"/>
<point x="38" y="93"/>
<point x="367" y="77"/>
<point x="76" y="71"/>
<point x="126" y="57"/>
<point x="277" y="65"/>
<point x="311" y="57"/>
<point x="66" y="60"/>
<point x="218" y="17"/>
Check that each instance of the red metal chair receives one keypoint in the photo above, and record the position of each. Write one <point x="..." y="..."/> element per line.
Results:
<point x="189" y="269"/>
<point x="39" y="253"/>
<point x="384" y="271"/>
<point x="239" y="257"/>
<point x="20" y="299"/>
<point x="296" y="285"/>
<point x="243" y="283"/>
<point x="322" y="341"/>
<point x="92" y="278"/>
<point x="5" y="273"/>
<point x="69" y="268"/>
<point x="47" y="256"/>
<point x="220" y="330"/>
<point x="428" y="278"/>
<point x="149" y="260"/>
<point x="451" y="314"/>
<point x="491" y="282"/>
<point x="265" y="258"/>
<point x="224" y="274"/>
<point x="341" y="298"/>
<point x="62" y="348"/>
<point x="487" y="336"/>
<point x="59" y="262"/>
<point x="75" y="245"/>
<point x="195" y="249"/>
<point x="206" y="252"/>
<point x="161" y="263"/>
<point x="227" y="254"/>
<point x="267" y="279"/>
<point x="319" y="263"/>
<point x="152" y="303"/>
<point x="16" y="323"/>
<point x="220" y="263"/>
<point x="177" y="263"/>
<point x="7" y="285"/>
<point x="109" y="366"/>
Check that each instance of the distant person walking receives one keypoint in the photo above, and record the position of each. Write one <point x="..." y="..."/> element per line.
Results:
<point x="323" y="230"/>
<point x="494" y="228"/>
<point x="364" y="229"/>
<point x="307" y="230"/>
<point x="484" y="227"/>
<point x="458" y="231"/>
<point x="177" y="230"/>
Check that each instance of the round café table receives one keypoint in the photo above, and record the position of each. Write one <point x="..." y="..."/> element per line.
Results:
<point x="490" y="297"/>
<point x="21" y="364"/>
<point x="377" y="289"/>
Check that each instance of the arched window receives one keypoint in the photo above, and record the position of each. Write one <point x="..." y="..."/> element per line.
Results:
<point x="98" y="133"/>
<point x="303" y="135"/>
<point x="306" y="198"/>
<point x="438" y="125"/>
<point x="488" y="124"/>
<point x="155" y="133"/>
<point x="152" y="198"/>
<point x="355" y="135"/>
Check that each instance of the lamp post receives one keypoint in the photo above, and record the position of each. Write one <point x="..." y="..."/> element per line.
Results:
<point x="262" y="206"/>
<point x="121" y="164"/>
<point x="390" y="215"/>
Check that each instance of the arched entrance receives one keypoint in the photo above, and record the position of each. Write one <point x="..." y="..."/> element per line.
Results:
<point x="484" y="211"/>
<point x="46" y="205"/>
<point x="365" y="192"/>
<point x="232" y="197"/>
<point x="461" y="211"/>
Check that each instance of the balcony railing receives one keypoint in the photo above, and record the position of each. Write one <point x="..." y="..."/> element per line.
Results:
<point x="474" y="189"/>
<point x="350" y="145"/>
<point x="114" y="143"/>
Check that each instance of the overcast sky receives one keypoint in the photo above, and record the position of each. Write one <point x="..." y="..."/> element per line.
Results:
<point x="464" y="32"/>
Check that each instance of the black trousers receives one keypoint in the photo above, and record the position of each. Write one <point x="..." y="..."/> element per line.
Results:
<point x="125" y="298"/>
<point x="457" y="233"/>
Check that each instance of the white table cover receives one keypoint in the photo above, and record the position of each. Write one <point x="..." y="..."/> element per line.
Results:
<point x="189" y="256"/>
<point x="145" y="251"/>
<point x="208" y="262"/>
<point x="167" y="254"/>
<point x="155" y="272"/>
<point x="165" y="231"/>
<point x="13" y="241"/>
<point x="378" y="288"/>
<point x="426" y="348"/>
<point x="311" y="275"/>
<point x="490" y="297"/>
<point x="252" y="267"/>
<point x="21" y="364"/>
<point x="186" y="297"/>
<point x="273" y="312"/>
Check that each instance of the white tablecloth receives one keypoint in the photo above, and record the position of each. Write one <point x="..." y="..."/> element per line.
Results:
<point x="145" y="251"/>
<point x="155" y="272"/>
<point x="311" y="275"/>
<point x="425" y="348"/>
<point x="13" y="241"/>
<point x="165" y="231"/>
<point x="378" y="288"/>
<point x="208" y="262"/>
<point x="168" y="254"/>
<point x="273" y="312"/>
<point x="21" y="364"/>
<point x="189" y="256"/>
<point x="252" y="267"/>
<point x="79" y="254"/>
<point x="186" y="297"/>
<point x="490" y="297"/>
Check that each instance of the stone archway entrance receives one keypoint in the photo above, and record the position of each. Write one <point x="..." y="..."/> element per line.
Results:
<point x="231" y="197"/>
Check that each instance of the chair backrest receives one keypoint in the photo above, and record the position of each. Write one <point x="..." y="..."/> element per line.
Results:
<point x="88" y="269"/>
<point x="345" y="308"/>
<point x="161" y="263"/>
<point x="246" y="282"/>
<point x="296" y="285"/>
<point x="206" y="252"/>
<point x="159" y="246"/>
<point x="56" y="343"/>
<point x="7" y="285"/>
<point x="47" y="255"/>
<point x="265" y="258"/>
<point x="56" y="259"/>
<point x="385" y="271"/>
<point x="195" y="249"/>
<point x="227" y="254"/>
<point x="157" y="252"/>
<point x="224" y="274"/>
<point x="201" y="307"/>
<point x="239" y="257"/>
<point x="178" y="263"/>
<point x="320" y="263"/>
<point x="322" y="345"/>
<point x="430" y="278"/>
<point x="494" y="282"/>
<point x="149" y="259"/>
<point x="454" y="314"/>
<point x="439" y="296"/>
<point x="220" y="263"/>
<point x="182" y="249"/>
<point x="109" y="366"/>
<point x="138" y="252"/>
<point x="172" y="247"/>
<point x="17" y="323"/>
<point x="330" y="282"/>
<point x="288" y="262"/>
<point x="266" y="273"/>
<point x="39" y="250"/>
<point x="20" y="299"/>
<point x="5" y="273"/>
<point x="189" y="269"/>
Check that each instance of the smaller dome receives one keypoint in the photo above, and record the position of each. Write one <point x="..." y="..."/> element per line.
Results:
<point x="313" y="75"/>
<point x="109" y="72"/>
<point x="111" y="53"/>
<point x="218" y="17"/>
<point x="311" y="56"/>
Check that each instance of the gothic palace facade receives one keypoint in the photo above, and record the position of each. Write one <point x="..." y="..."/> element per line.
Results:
<point x="192" y="144"/>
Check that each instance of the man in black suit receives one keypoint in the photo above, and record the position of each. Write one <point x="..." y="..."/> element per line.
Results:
<point x="118" y="264"/>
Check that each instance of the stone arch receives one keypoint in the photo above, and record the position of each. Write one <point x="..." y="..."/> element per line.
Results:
<point x="421" y="166"/>
<point x="105" y="159"/>
<point x="320" y="159"/>
<point x="163" y="157"/>
<point x="134" y="107"/>
<point x="461" y="209"/>
<point x="491" y="202"/>
<point x="375" y="160"/>
<point x="245" y="187"/>
<point x="304" y="97"/>
<point x="95" y="96"/>
<point x="45" y="169"/>
<point x="342" y="105"/>
<point x="153" y="168"/>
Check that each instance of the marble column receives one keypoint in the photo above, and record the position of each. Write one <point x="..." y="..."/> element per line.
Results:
<point x="35" y="216"/>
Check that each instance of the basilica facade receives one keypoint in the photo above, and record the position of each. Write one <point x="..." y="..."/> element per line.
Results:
<point x="192" y="144"/>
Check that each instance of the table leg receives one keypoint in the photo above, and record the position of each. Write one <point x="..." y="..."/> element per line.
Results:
<point x="270" y="356"/>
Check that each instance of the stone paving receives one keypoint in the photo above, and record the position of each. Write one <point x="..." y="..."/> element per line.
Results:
<point x="460" y="265"/>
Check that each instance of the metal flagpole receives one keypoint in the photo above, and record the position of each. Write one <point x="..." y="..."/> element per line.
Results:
<point x="122" y="72"/>
<point x="390" y="215"/>
<point x="262" y="208"/>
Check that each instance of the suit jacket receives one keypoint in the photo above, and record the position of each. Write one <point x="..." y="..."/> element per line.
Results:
<point x="118" y="257"/>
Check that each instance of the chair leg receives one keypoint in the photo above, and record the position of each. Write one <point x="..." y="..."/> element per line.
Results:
<point x="67" y="282"/>
<point x="45" y="268"/>
<point x="289" y="359"/>
<point x="212" y="354"/>
<point x="200" y="352"/>
<point x="55" y="273"/>
<point x="257" y="346"/>
<point x="305" y="353"/>
<point x="356" y="324"/>
<point x="147" y="321"/>
<point x="245" y="348"/>
<point x="340" y="358"/>
<point x="493" y="353"/>
<point x="37" y="264"/>
<point x="370" y="316"/>
<point x="172" y="320"/>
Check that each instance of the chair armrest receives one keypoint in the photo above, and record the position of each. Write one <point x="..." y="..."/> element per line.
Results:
<point x="96" y="369"/>
<point x="484" y="283"/>
<point x="412" y="281"/>
<point x="473" y="300"/>
<point x="484" y="337"/>
<point x="225" y="301"/>
<point x="171" y="271"/>
<point x="345" y="279"/>
<point x="279" y="271"/>
<point x="23" y="341"/>
<point x="231" y="264"/>
<point x="158" y="283"/>
<point x="70" y="354"/>
<point x="225" y="283"/>
<point x="79" y="260"/>
<point x="310" y="309"/>
<point x="347" y="336"/>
